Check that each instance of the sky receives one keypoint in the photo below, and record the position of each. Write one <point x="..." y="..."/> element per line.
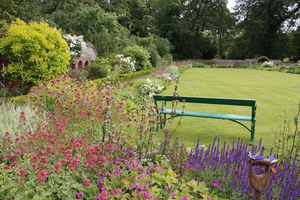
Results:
<point x="230" y="4"/>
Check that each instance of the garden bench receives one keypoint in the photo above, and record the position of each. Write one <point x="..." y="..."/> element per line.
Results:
<point x="163" y="110"/>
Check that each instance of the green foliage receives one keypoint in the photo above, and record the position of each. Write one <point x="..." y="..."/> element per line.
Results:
<point x="262" y="33"/>
<point x="98" y="69"/>
<point x="167" y="59"/>
<point x="35" y="51"/>
<point x="199" y="65"/>
<point x="294" y="69"/>
<point x="140" y="55"/>
<point x="7" y="10"/>
<point x="4" y="92"/>
<point x="173" y="70"/>
<point x="183" y="68"/>
<point x="149" y="86"/>
<point x="288" y="144"/>
<point x="154" y="56"/>
<point x="79" y="74"/>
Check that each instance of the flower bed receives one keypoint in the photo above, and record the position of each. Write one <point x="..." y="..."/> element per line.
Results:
<point x="90" y="144"/>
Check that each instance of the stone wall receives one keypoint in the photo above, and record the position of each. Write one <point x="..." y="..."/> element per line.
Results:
<point x="87" y="56"/>
<point x="228" y="62"/>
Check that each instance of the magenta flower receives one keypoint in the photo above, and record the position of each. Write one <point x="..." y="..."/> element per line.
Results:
<point x="138" y="196"/>
<point x="208" y="198"/>
<point x="118" y="190"/>
<point x="78" y="196"/>
<point x="166" y="187"/>
<point x="173" y="195"/>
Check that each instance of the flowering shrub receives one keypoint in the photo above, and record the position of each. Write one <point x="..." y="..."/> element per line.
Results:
<point x="164" y="75"/>
<point x="76" y="45"/>
<point x="126" y="64"/>
<point x="173" y="70"/>
<point x="149" y="86"/>
<point x="268" y="64"/>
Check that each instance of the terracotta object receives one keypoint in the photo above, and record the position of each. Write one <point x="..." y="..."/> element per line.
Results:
<point x="260" y="182"/>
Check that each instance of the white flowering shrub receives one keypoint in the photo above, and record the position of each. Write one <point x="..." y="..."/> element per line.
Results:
<point x="267" y="64"/>
<point x="149" y="86"/>
<point x="76" y="45"/>
<point x="126" y="64"/>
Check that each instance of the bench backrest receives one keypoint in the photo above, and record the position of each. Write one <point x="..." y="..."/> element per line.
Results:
<point x="207" y="100"/>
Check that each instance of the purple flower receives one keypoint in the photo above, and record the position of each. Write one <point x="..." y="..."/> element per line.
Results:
<point x="78" y="196"/>
<point x="173" y="195"/>
<point x="138" y="196"/>
<point x="166" y="187"/>
<point x="138" y="178"/>
<point x="208" y="198"/>
<point x="118" y="190"/>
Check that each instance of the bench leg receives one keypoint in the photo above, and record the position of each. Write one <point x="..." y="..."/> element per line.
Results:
<point x="252" y="132"/>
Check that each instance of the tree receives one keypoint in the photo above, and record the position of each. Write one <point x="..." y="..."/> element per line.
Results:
<point x="7" y="10"/>
<point x="261" y="24"/>
<point x="35" y="51"/>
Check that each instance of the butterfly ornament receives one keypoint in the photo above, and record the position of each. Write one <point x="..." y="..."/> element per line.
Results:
<point x="257" y="156"/>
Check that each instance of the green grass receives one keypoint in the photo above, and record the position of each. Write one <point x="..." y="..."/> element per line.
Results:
<point x="273" y="91"/>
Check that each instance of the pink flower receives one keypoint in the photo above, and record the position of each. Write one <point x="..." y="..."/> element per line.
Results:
<point x="86" y="181"/>
<point x="17" y="140"/>
<point x="22" y="172"/>
<point x="6" y="167"/>
<point x="14" y="164"/>
<point x="49" y="149"/>
<point x="166" y="187"/>
<point x="44" y="159"/>
<point x="9" y="156"/>
<point x="18" y="152"/>
<point x="57" y="165"/>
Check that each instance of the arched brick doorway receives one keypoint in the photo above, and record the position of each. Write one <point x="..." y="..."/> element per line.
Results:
<point x="262" y="59"/>
<point x="80" y="65"/>
<point x="86" y="63"/>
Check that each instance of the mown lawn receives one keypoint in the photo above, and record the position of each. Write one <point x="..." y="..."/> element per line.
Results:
<point x="275" y="92"/>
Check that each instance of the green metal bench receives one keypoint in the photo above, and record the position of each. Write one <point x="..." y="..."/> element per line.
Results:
<point x="162" y="110"/>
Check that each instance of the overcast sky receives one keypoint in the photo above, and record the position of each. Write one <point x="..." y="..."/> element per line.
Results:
<point x="231" y="4"/>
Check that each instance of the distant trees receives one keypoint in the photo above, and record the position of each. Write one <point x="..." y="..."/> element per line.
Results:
<point x="189" y="28"/>
<point x="262" y="25"/>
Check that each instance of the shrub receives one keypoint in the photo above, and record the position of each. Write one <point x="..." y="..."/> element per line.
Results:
<point x="267" y="64"/>
<point x="183" y="68"/>
<point x="79" y="74"/>
<point x="140" y="55"/>
<point x="295" y="69"/>
<point x="76" y="45"/>
<point x="154" y="56"/>
<point x="35" y="51"/>
<point x="126" y="64"/>
<point x="173" y="70"/>
<point x="98" y="69"/>
<point x="199" y="65"/>
<point x="149" y="86"/>
<point x="167" y="59"/>
<point x="4" y="92"/>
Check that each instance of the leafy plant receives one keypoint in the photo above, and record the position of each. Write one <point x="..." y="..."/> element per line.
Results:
<point x="35" y="51"/>
<point x="98" y="69"/>
<point x="140" y="55"/>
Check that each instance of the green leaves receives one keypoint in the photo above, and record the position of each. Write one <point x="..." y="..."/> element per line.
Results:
<point x="35" y="51"/>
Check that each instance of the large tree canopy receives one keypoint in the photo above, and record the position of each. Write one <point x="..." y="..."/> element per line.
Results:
<point x="195" y="28"/>
<point x="261" y="25"/>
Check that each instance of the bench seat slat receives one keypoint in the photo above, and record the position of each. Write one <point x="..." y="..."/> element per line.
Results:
<point x="209" y="115"/>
